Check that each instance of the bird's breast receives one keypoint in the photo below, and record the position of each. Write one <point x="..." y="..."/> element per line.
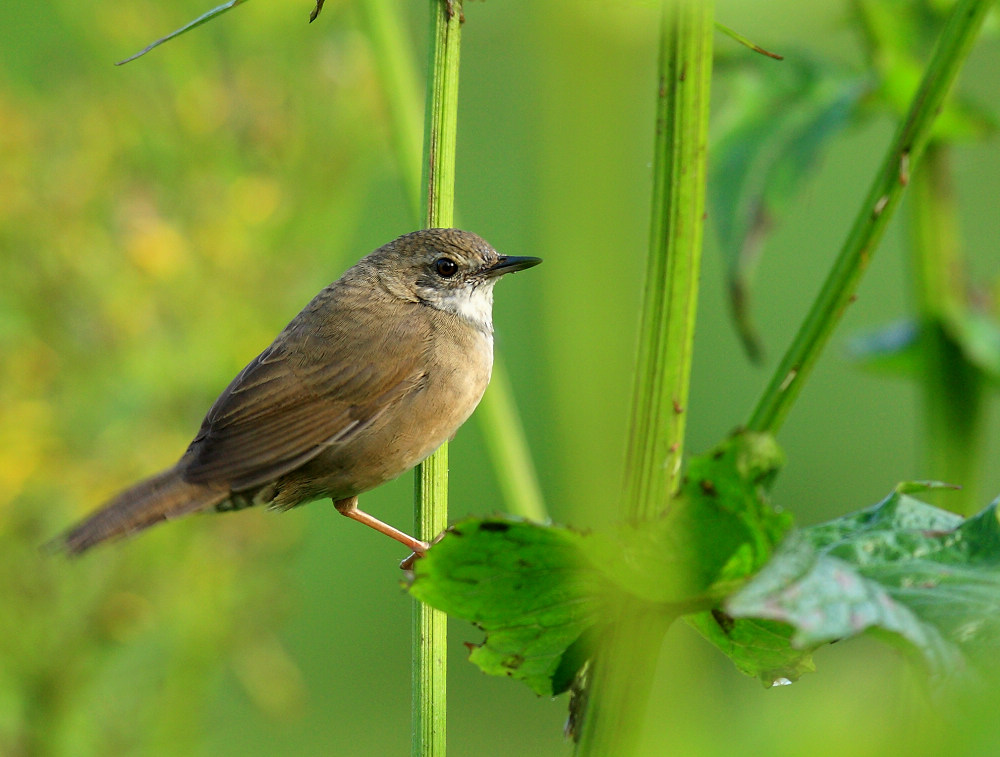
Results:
<point x="459" y="369"/>
<point x="455" y="374"/>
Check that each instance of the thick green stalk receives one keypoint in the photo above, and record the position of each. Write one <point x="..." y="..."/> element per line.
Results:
<point x="903" y="155"/>
<point x="430" y="626"/>
<point x="621" y="679"/>
<point x="622" y="669"/>
<point x="952" y="387"/>
<point x="666" y="330"/>
<point x="497" y="414"/>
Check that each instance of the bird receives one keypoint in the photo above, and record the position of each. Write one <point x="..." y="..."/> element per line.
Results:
<point x="373" y="375"/>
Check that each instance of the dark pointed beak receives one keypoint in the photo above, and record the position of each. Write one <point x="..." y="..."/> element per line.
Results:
<point x="509" y="264"/>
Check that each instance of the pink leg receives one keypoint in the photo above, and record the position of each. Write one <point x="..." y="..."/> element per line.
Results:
<point x="349" y="507"/>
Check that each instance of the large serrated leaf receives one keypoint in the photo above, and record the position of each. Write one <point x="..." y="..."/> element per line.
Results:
<point x="917" y="576"/>
<point x="529" y="587"/>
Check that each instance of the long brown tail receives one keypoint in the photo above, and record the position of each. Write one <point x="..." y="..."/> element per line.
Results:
<point x="164" y="496"/>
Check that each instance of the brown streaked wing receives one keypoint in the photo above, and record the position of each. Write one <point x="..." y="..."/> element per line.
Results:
<point x="291" y="403"/>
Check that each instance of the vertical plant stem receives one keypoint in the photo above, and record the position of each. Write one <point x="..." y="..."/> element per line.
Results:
<point x="622" y="669"/>
<point x="937" y="265"/>
<point x="952" y="387"/>
<point x="904" y="154"/>
<point x="441" y="115"/>
<point x="670" y="299"/>
<point x="430" y="626"/>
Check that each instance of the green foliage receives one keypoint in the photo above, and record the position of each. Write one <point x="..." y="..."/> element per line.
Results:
<point x="922" y="578"/>
<point x="541" y="592"/>
<point x="895" y="349"/>
<point x="950" y="348"/>
<point x="732" y="529"/>
<point x="530" y="587"/>
<point x="897" y="36"/>
<point x="774" y="122"/>
<point x="756" y="646"/>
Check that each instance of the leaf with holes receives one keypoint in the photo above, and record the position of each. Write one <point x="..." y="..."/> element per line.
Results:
<point x="529" y="587"/>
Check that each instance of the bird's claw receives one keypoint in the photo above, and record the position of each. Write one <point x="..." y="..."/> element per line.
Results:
<point x="408" y="563"/>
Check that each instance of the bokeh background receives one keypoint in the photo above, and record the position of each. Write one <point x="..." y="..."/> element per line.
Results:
<point x="160" y="222"/>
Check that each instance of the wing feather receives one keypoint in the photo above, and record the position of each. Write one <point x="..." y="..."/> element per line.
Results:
<point x="300" y="396"/>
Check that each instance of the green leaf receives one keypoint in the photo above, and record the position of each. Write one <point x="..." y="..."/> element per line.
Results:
<point x="757" y="647"/>
<point x="722" y="523"/>
<point x="541" y="593"/>
<point x="773" y="124"/>
<point x="530" y="587"/>
<point x="718" y="530"/>
<point x="917" y="576"/>
<point x="203" y="18"/>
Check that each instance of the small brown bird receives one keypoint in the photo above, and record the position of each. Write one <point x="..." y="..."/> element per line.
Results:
<point x="372" y="376"/>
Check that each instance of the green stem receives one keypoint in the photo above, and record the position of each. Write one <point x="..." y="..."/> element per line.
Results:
<point x="621" y="675"/>
<point x="746" y="42"/>
<point x="666" y="331"/>
<point x="621" y="679"/>
<point x="430" y="627"/>
<point x="937" y="264"/>
<point x="952" y="387"/>
<point x="901" y="159"/>
<point x="431" y="478"/>
<point x="441" y="115"/>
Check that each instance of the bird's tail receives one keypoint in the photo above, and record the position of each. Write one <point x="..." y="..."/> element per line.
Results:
<point x="162" y="497"/>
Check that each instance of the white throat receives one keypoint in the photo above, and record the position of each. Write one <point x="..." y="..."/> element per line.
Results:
<point x="474" y="304"/>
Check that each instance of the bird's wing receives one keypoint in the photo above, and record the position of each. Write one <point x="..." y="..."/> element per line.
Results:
<point x="300" y="396"/>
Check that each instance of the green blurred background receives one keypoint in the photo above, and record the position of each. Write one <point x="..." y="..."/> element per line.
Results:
<point x="160" y="222"/>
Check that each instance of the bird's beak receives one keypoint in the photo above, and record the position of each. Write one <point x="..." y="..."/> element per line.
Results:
<point x="509" y="264"/>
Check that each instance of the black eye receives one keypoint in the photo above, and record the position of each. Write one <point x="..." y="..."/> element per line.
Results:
<point x="445" y="267"/>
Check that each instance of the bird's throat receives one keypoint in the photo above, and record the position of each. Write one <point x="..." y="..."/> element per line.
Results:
<point x="474" y="305"/>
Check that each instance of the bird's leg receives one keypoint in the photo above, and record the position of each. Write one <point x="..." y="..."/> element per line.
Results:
<point x="349" y="507"/>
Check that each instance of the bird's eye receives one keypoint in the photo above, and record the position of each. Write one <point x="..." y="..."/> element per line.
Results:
<point x="445" y="267"/>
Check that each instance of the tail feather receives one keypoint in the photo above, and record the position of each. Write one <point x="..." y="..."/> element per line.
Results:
<point x="162" y="497"/>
